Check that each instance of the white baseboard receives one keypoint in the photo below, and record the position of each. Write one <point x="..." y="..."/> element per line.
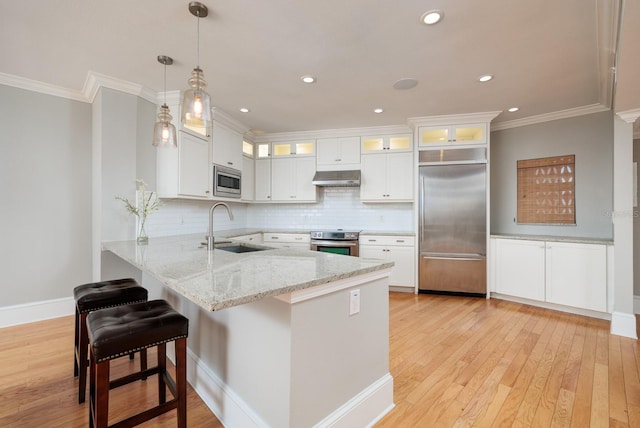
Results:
<point x="36" y="311"/>
<point x="623" y="324"/>
<point x="636" y="304"/>
<point x="233" y="411"/>
<point x="376" y="399"/>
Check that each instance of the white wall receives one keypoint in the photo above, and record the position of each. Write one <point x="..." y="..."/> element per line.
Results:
<point x="45" y="183"/>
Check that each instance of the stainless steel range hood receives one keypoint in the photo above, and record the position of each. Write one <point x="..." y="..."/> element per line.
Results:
<point x="337" y="178"/>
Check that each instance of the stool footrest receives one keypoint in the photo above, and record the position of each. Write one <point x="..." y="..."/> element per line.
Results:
<point x="124" y="380"/>
<point x="147" y="415"/>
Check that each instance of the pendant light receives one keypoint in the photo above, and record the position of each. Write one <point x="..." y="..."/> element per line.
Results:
<point x="164" y="133"/>
<point x="196" y="103"/>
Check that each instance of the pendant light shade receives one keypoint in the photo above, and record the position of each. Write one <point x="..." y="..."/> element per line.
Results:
<point x="164" y="132"/>
<point x="196" y="103"/>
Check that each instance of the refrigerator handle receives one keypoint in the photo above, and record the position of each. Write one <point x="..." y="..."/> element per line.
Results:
<point x="479" y="257"/>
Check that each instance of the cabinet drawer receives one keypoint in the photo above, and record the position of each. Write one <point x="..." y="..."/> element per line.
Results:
<point x="387" y="240"/>
<point x="287" y="237"/>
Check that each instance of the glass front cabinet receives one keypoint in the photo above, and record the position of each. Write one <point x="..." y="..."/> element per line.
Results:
<point x="452" y="135"/>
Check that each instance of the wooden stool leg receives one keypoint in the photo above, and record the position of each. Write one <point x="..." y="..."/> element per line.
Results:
<point x="83" y="345"/>
<point x="143" y="361"/>
<point x="75" y="339"/>
<point x="162" y="373"/>
<point x="181" y="381"/>
<point x="101" y="399"/>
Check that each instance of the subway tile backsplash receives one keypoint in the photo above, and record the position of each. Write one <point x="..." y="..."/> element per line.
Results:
<point x="337" y="207"/>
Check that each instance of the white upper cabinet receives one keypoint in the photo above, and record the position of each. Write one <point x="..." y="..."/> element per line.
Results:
<point x="248" y="172"/>
<point x="185" y="171"/>
<point x="334" y="154"/>
<point x="291" y="180"/>
<point x="262" y="180"/>
<point x="226" y="146"/>
<point x="387" y="143"/>
<point x="293" y="148"/>
<point x="387" y="177"/>
<point x="475" y="133"/>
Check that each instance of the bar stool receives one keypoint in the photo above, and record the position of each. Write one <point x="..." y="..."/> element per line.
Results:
<point x="93" y="296"/>
<point x="118" y="331"/>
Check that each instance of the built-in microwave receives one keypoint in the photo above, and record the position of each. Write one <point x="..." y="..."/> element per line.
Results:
<point x="226" y="181"/>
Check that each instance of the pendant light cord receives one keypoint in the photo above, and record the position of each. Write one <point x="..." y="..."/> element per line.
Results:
<point x="165" y="82"/>
<point x="198" y="43"/>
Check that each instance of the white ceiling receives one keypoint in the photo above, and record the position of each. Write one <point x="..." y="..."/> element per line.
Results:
<point x="544" y="55"/>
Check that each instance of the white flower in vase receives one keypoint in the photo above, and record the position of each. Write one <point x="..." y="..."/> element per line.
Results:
<point x="145" y="204"/>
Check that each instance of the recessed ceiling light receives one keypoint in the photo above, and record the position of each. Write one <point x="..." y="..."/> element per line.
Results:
<point x="513" y="109"/>
<point x="244" y="110"/>
<point x="432" y="17"/>
<point x="485" y="78"/>
<point x="378" y="110"/>
<point x="308" y="79"/>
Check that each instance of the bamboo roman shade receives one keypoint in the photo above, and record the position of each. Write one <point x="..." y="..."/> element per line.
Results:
<point x="546" y="190"/>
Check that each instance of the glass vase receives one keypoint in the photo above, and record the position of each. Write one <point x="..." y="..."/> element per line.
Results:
<point x="142" y="237"/>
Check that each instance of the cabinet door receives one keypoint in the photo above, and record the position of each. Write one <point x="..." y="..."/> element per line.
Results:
<point x="263" y="180"/>
<point x="372" y="252"/>
<point x="328" y="152"/>
<point x="373" y="177"/>
<point x="403" y="272"/>
<point x="282" y="174"/>
<point x="248" y="179"/>
<point x="305" y="169"/>
<point x="399" y="176"/>
<point x="520" y="268"/>
<point x="577" y="275"/>
<point x="227" y="146"/>
<point x="193" y="166"/>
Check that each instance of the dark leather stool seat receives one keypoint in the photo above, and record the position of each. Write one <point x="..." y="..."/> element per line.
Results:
<point x="99" y="295"/>
<point x="118" y="331"/>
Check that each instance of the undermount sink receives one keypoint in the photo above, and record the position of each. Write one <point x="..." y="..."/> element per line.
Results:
<point x="238" y="248"/>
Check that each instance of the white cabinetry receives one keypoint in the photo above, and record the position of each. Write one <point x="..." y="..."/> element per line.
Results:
<point x="398" y="249"/>
<point x="520" y="268"/>
<point x="291" y="179"/>
<point x="287" y="240"/>
<point x="387" y="177"/>
<point x="335" y="154"/>
<point x="564" y="273"/>
<point x="255" y="238"/>
<point x="386" y="143"/>
<point x="577" y="275"/>
<point x="184" y="172"/>
<point x="475" y="133"/>
<point x="248" y="179"/>
<point x="263" y="180"/>
<point x="227" y="146"/>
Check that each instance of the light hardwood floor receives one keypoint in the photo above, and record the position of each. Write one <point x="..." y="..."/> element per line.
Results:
<point x="456" y="361"/>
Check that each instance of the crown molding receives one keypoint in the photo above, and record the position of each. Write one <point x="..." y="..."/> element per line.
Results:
<point x="453" y="119"/>
<point x="41" y="87"/>
<point x="222" y="117"/>
<point x="95" y="81"/>
<point x="548" y="117"/>
<point x="330" y="133"/>
<point x="629" y="116"/>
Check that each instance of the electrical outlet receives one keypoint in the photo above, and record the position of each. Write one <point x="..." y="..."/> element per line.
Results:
<point x="354" y="302"/>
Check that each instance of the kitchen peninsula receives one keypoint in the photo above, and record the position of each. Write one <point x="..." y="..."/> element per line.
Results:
<point x="278" y="337"/>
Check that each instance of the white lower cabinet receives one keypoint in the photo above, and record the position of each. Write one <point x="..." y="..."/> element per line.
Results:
<point x="520" y="270"/>
<point x="255" y="238"/>
<point x="564" y="273"/>
<point x="398" y="249"/>
<point x="577" y="275"/>
<point x="287" y="240"/>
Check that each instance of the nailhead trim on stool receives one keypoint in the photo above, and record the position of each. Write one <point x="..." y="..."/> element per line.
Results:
<point x="99" y="295"/>
<point x="118" y="331"/>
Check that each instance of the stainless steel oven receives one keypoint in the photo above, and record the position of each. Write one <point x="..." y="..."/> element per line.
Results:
<point x="335" y="241"/>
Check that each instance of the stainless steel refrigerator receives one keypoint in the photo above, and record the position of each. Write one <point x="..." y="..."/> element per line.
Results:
<point x="453" y="229"/>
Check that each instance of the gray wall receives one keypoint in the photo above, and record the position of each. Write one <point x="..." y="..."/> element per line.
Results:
<point x="590" y="138"/>
<point x="45" y="184"/>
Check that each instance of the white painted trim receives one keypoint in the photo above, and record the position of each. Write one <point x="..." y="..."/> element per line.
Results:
<point x="222" y="117"/>
<point x="629" y="116"/>
<point x="623" y="324"/>
<point x="96" y="80"/>
<point x="228" y="407"/>
<point x="548" y="117"/>
<point x="453" y="119"/>
<point x="376" y="399"/>
<point x="36" y="311"/>
<point x="331" y="133"/>
<point x="553" y="306"/>
<point x="41" y="87"/>
<point x="332" y="287"/>
<point x="636" y="304"/>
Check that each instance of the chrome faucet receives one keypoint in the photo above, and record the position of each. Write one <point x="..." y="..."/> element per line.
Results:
<point x="213" y="207"/>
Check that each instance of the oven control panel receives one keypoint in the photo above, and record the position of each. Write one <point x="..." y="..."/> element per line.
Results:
<point x="335" y="235"/>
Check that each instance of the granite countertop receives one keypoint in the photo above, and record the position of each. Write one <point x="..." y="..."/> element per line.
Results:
<point x="386" y="233"/>
<point x="220" y="279"/>
<point x="239" y="232"/>
<point x="602" y="241"/>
